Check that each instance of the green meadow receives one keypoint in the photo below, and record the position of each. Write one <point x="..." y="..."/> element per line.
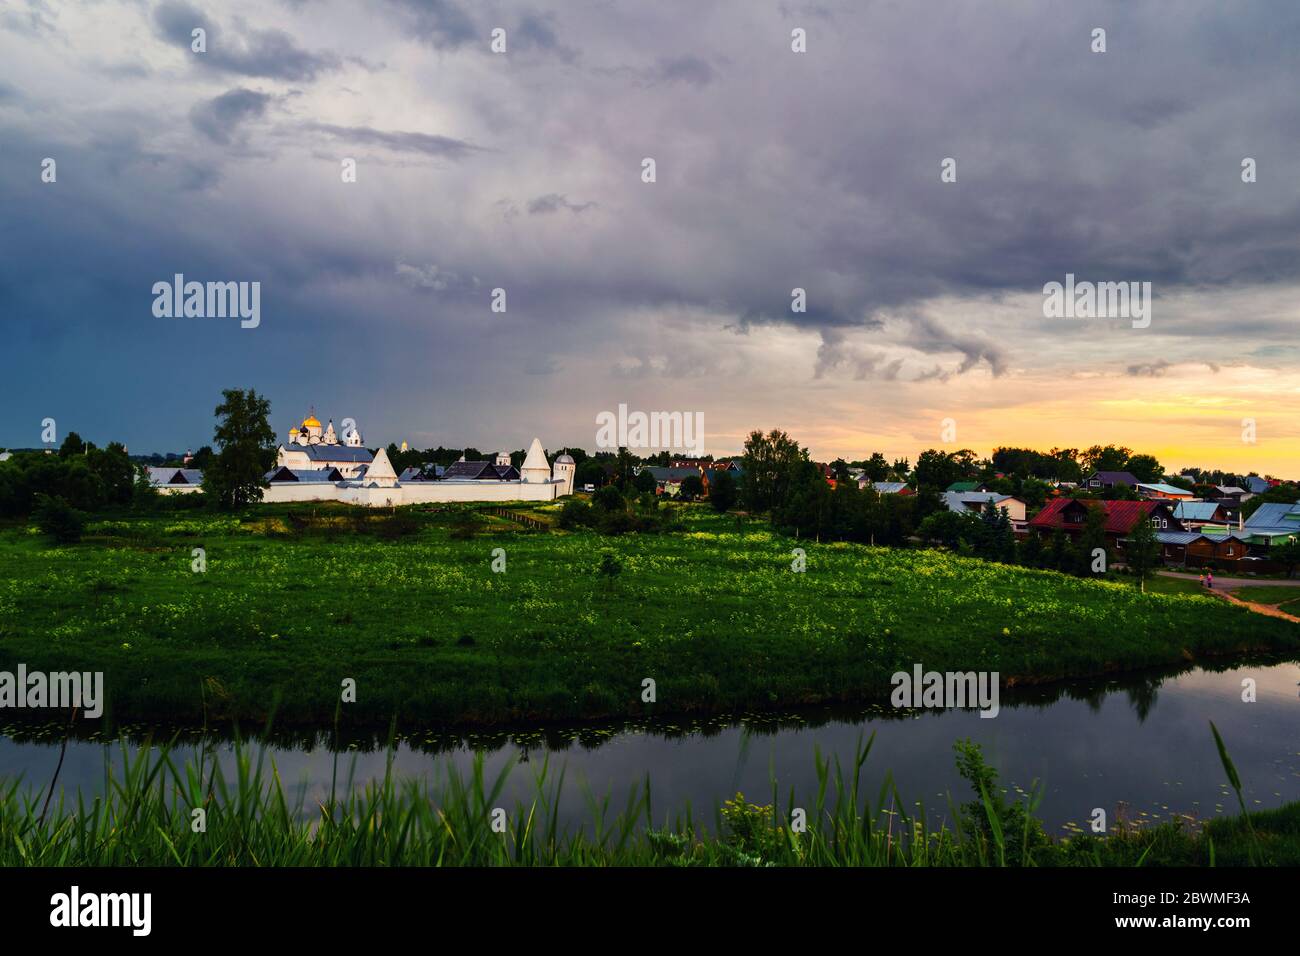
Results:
<point x="297" y="599"/>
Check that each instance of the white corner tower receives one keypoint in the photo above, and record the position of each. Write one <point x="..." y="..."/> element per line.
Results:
<point x="565" y="469"/>
<point x="380" y="471"/>
<point x="535" y="470"/>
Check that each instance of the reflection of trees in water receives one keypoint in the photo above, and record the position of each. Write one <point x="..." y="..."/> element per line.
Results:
<point x="1143" y="697"/>
<point x="1140" y="688"/>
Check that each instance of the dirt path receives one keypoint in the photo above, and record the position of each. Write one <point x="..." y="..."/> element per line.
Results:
<point x="1231" y="583"/>
<point x="1268" y="610"/>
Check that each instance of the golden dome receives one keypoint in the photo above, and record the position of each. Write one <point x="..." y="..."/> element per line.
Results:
<point x="311" y="421"/>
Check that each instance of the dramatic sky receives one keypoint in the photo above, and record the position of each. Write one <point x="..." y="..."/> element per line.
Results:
<point x="775" y="170"/>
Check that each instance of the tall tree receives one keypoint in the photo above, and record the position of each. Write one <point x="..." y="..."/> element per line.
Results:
<point x="772" y="465"/>
<point x="722" y="490"/>
<point x="1106" y="458"/>
<point x="237" y="474"/>
<point x="1142" y="552"/>
<point x="1145" y="468"/>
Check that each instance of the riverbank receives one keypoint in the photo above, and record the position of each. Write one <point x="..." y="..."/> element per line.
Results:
<point x="295" y="602"/>
<point x="160" y="809"/>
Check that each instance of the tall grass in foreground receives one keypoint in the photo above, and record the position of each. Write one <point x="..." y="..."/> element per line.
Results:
<point x="147" y="817"/>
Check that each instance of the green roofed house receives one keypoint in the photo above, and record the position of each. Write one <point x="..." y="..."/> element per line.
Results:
<point x="962" y="487"/>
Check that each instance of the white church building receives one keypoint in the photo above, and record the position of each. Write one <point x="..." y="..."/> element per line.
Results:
<point x="377" y="485"/>
<point x="315" y="465"/>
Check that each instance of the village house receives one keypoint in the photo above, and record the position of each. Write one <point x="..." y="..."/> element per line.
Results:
<point x="978" y="502"/>
<point x="175" y="480"/>
<point x="1197" y="514"/>
<point x="668" y="481"/>
<point x="1159" y="490"/>
<point x="1070" y="516"/>
<point x="888" y="487"/>
<point x="1232" y="493"/>
<point x="1109" y="479"/>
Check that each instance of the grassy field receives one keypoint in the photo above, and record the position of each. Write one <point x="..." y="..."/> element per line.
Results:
<point x="1284" y="598"/>
<point x="296" y="599"/>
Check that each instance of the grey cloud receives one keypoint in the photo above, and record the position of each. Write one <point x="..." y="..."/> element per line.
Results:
<point x="220" y="117"/>
<point x="554" y="202"/>
<point x="265" y="53"/>
<point x="835" y="353"/>
<point x="685" y="68"/>
<point x="928" y="335"/>
<point x="440" y="23"/>
<point x="1148" y="369"/>
<point x="535" y="32"/>
<point x="428" y="144"/>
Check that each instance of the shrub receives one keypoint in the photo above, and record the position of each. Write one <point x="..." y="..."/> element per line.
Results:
<point x="615" y="522"/>
<point x="608" y="498"/>
<point x="575" y="514"/>
<point x="58" y="519"/>
<point x="465" y="525"/>
<point x="610" y="567"/>
<point x="400" y="524"/>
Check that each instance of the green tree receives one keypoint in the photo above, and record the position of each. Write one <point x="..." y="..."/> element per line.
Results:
<point x="1106" y="458"/>
<point x="72" y="445"/>
<point x="1145" y="468"/>
<point x="236" y="475"/>
<point x="805" y="507"/>
<point x="610" y="568"/>
<point x="1287" y="554"/>
<point x="772" y="464"/>
<point x="589" y="472"/>
<point x="876" y="468"/>
<point x="722" y="491"/>
<point x="1092" y="540"/>
<point x="115" y="471"/>
<point x="644" y="481"/>
<point x="609" y="499"/>
<point x="623" y="466"/>
<point x="950" y="528"/>
<point x="692" y="487"/>
<point x="62" y="522"/>
<point x="1142" y="552"/>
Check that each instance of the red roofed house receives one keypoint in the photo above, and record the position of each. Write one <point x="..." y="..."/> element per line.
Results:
<point x="1070" y="515"/>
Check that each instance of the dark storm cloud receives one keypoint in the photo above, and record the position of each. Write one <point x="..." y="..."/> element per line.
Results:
<point x="220" y="117"/>
<point x="686" y="68"/>
<point x="536" y="31"/>
<point x="403" y="142"/>
<point x="439" y="23"/>
<point x="554" y="202"/>
<point x="776" y="170"/>
<point x="266" y="53"/>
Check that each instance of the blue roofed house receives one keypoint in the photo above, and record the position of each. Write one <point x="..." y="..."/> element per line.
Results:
<point x="1197" y="514"/>
<point x="1158" y="489"/>
<point x="1275" y="519"/>
<point x="1256" y="485"/>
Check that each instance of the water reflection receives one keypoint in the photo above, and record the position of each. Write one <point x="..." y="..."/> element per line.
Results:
<point x="1142" y="740"/>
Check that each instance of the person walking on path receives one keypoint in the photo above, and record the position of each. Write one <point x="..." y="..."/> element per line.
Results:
<point x="1209" y="579"/>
